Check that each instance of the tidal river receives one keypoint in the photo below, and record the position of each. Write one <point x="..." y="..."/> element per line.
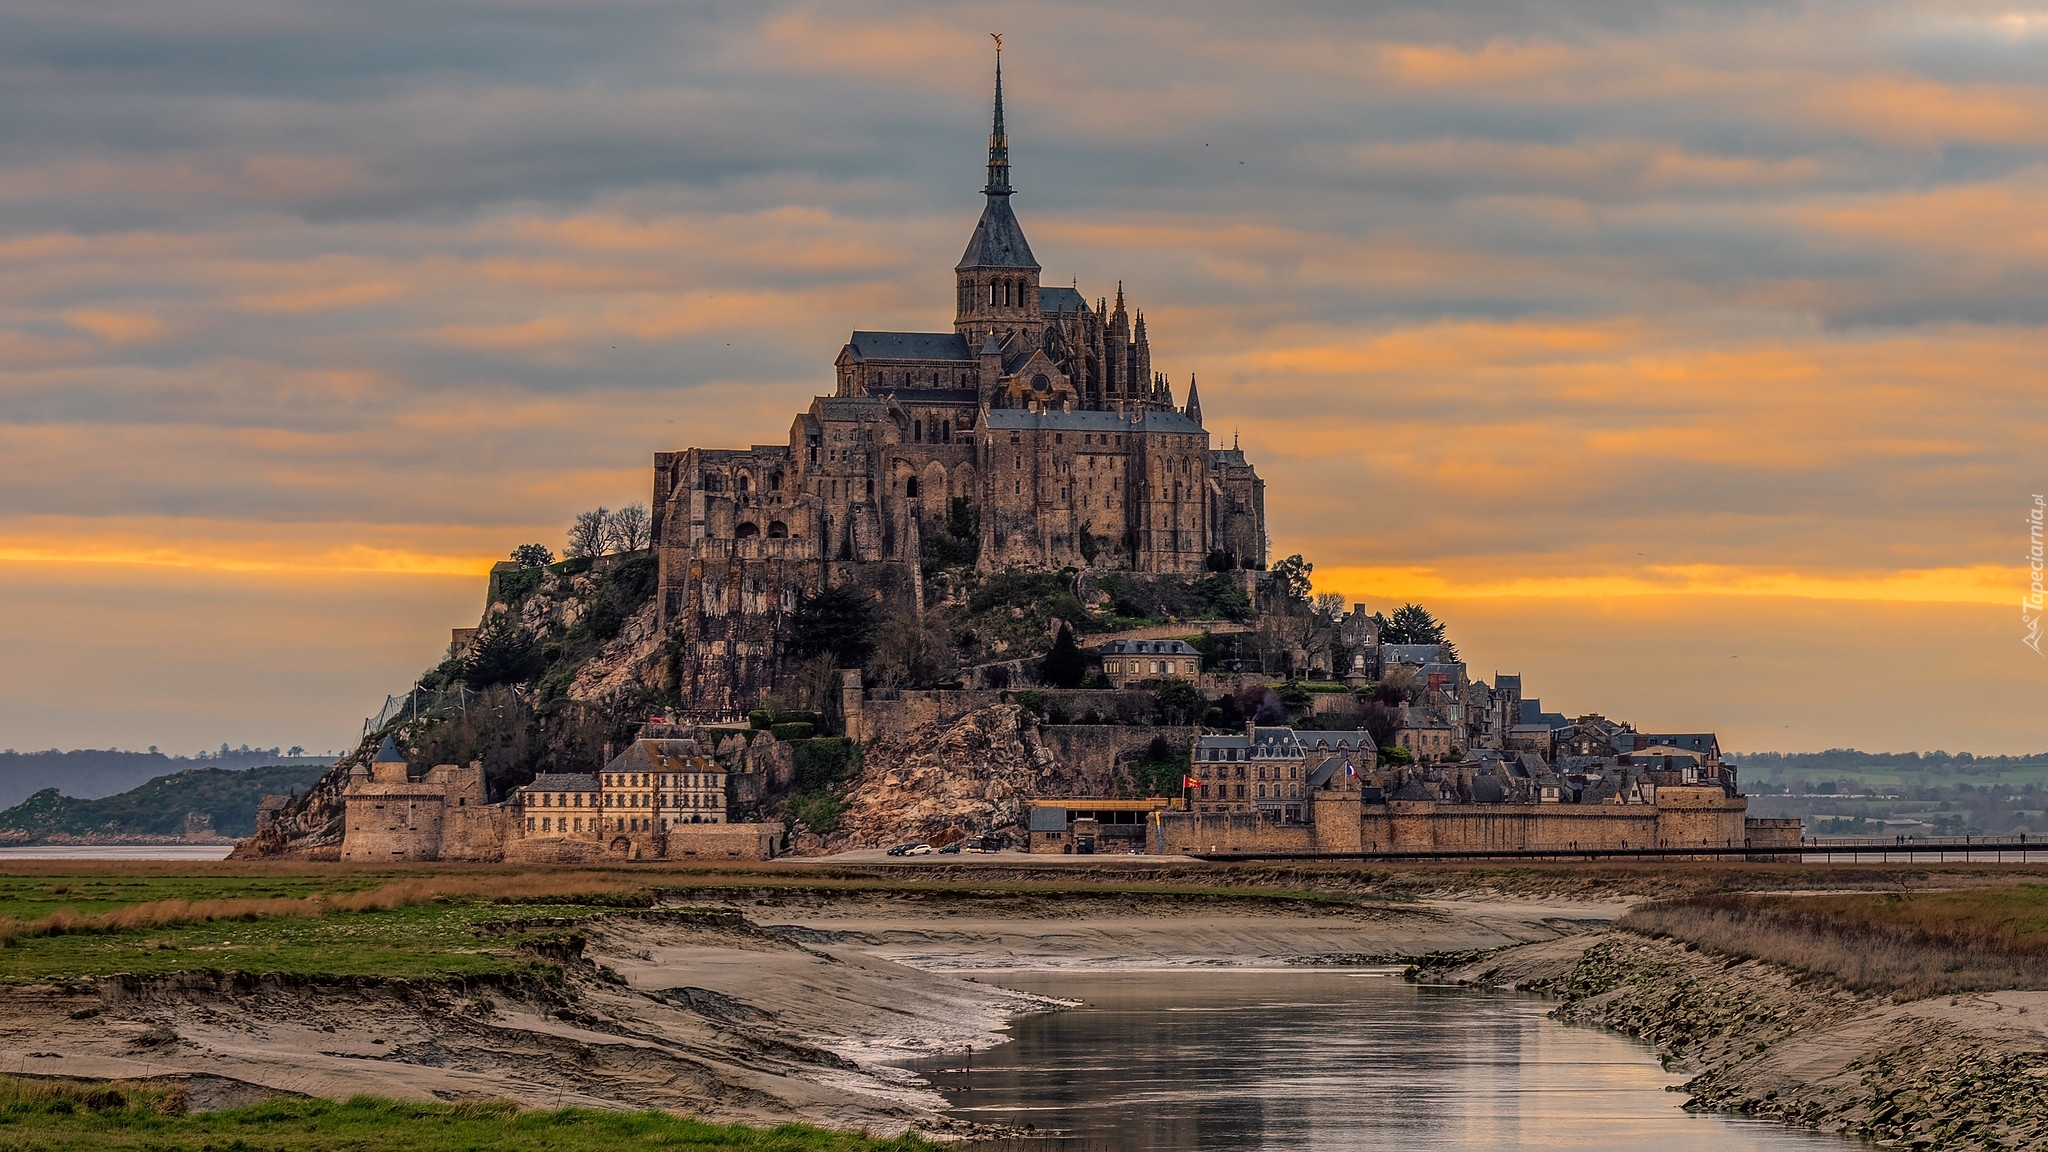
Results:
<point x="1322" y="1059"/>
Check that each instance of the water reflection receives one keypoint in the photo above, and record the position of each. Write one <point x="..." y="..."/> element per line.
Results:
<point x="1321" y="1059"/>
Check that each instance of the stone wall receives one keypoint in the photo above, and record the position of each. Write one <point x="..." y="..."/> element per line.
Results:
<point x="392" y="822"/>
<point x="723" y="842"/>
<point x="477" y="832"/>
<point x="1681" y="817"/>
<point x="1197" y="832"/>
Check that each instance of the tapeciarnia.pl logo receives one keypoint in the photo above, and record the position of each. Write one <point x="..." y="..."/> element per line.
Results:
<point x="2036" y="600"/>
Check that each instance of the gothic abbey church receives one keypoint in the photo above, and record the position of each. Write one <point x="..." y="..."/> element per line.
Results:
<point x="1039" y="411"/>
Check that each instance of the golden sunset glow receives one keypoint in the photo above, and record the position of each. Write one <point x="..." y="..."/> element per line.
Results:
<point x="1600" y="338"/>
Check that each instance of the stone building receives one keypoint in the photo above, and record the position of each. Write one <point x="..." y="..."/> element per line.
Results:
<point x="1127" y="662"/>
<point x="555" y="805"/>
<point x="662" y="799"/>
<point x="1040" y="417"/>
<point x="389" y="816"/>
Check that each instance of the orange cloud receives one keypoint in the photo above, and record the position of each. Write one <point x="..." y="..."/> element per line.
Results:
<point x="1980" y="584"/>
<point x="116" y="327"/>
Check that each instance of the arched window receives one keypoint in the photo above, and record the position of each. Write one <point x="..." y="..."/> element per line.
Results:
<point x="917" y="431"/>
<point x="743" y="484"/>
<point x="777" y="530"/>
<point x="747" y="530"/>
<point x="910" y="486"/>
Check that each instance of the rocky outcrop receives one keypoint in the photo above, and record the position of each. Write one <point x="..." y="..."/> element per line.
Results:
<point x="1964" y="1072"/>
<point x="971" y="774"/>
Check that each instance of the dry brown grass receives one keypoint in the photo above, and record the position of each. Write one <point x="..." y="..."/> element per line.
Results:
<point x="1909" y="945"/>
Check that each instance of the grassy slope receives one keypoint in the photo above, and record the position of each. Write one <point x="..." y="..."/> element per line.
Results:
<point x="91" y="1118"/>
<point x="1913" y="943"/>
<point x="158" y="807"/>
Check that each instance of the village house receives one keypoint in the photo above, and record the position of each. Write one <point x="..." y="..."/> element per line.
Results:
<point x="1129" y="662"/>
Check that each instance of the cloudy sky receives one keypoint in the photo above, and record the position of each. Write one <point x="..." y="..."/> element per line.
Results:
<point x="1689" y="359"/>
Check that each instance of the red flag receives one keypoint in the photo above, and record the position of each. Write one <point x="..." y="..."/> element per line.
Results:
<point x="1190" y="782"/>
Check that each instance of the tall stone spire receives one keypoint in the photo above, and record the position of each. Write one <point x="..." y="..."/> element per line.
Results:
<point x="998" y="276"/>
<point x="998" y="140"/>
<point x="1194" y="408"/>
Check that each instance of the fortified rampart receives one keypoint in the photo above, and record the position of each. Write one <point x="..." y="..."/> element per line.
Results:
<point x="1345" y="823"/>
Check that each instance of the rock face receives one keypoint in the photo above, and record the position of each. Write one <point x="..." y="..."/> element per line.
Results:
<point x="971" y="774"/>
<point x="1967" y="1071"/>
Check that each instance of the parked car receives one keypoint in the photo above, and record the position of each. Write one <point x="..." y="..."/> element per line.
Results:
<point x="953" y="848"/>
<point x="918" y="850"/>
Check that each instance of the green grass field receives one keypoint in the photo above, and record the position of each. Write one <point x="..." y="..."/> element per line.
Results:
<point x="342" y="924"/>
<point x="63" y="1117"/>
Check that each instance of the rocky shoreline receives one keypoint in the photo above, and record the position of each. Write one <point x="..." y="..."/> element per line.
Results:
<point x="1944" y="1072"/>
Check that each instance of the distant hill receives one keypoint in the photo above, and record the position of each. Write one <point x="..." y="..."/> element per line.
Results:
<point x="1853" y="760"/>
<point x="89" y="772"/>
<point x="158" y="808"/>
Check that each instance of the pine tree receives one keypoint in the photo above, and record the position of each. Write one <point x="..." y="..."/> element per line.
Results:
<point x="1066" y="665"/>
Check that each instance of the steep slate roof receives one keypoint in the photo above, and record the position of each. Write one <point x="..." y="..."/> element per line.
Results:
<point x="910" y="346"/>
<point x="1701" y="742"/>
<point x="1413" y="790"/>
<point x="1275" y="744"/>
<point x="1061" y="300"/>
<point x="563" y="782"/>
<point x="1149" y="648"/>
<point x="849" y="407"/>
<point x="388" y="753"/>
<point x="998" y="240"/>
<point x="1326" y="771"/>
<point x="1221" y="743"/>
<point x="1335" y="739"/>
<point x="1415" y="654"/>
<point x="1150" y="422"/>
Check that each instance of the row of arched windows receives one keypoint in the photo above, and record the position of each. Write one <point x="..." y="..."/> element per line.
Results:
<point x="1001" y="292"/>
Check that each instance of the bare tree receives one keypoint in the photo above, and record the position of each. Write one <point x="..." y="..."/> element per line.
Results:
<point x="1330" y="605"/>
<point x="587" y="535"/>
<point x="626" y="529"/>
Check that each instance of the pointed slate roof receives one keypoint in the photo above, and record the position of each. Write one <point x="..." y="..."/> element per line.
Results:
<point x="388" y="753"/>
<point x="998" y="240"/>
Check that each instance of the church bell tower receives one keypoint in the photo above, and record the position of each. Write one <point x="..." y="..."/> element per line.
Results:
<point x="997" y="278"/>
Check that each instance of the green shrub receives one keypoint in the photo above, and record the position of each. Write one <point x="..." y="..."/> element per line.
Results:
<point x="760" y="718"/>
<point x="825" y="761"/>
<point x="798" y="730"/>
<point x="818" y="811"/>
<point x="514" y="587"/>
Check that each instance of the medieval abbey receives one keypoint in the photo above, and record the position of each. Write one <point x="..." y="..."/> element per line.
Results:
<point x="1039" y="413"/>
